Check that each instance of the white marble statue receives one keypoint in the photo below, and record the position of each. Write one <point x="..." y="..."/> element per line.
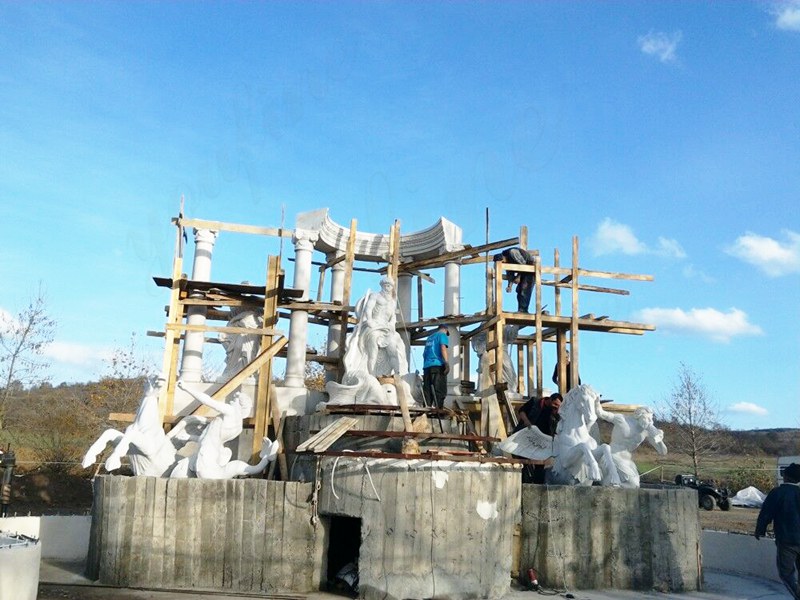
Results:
<point x="150" y="451"/>
<point x="374" y="349"/>
<point x="240" y="348"/>
<point x="485" y="379"/>
<point x="212" y="460"/>
<point x="628" y="433"/>
<point x="579" y="458"/>
<point x="156" y="454"/>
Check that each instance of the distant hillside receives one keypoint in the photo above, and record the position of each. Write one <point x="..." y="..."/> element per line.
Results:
<point x="772" y="442"/>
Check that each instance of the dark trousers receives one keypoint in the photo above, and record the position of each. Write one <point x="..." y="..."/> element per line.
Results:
<point x="788" y="567"/>
<point x="524" y="291"/>
<point x="434" y="386"/>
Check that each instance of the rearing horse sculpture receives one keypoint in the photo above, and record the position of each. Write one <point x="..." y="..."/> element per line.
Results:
<point x="579" y="458"/>
<point x="151" y="451"/>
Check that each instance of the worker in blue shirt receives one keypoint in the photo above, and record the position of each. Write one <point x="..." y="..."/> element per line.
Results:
<point x="435" y="367"/>
<point x="782" y="508"/>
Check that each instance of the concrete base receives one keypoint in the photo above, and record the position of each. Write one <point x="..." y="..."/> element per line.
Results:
<point x="598" y="537"/>
<point x="428" y="529"/>
<point x="241" y="535"/>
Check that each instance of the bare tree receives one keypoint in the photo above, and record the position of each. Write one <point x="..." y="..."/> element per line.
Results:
<point x="23" y="339"/>
<point x="693" y="418"/>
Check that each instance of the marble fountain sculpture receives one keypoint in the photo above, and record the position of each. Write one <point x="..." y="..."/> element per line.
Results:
<point x="485" y="380"/>
<point x="579" y="458"/>
<point x="375" y="350"/>
<point x="154" y="453"/>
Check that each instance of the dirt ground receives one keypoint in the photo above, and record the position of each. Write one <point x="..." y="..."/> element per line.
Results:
<point x="736" y="520"/>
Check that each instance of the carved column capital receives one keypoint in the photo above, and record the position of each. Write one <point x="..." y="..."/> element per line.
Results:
<point x="304" y="239"/>
<point x="205" y="236"/>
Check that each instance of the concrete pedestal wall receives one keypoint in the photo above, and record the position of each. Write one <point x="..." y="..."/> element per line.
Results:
<point x="428" y="529"/>
<point x="597" y="538"/>
<point x="241" y="535"/>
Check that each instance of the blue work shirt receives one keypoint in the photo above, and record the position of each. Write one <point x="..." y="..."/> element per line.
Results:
<point x="782" y="506"/>
<point x="432" y="356"/>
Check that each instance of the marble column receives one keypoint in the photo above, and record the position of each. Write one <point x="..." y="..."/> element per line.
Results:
<point x="298" y="322"/>
<point x="335" y="326"/>
<point x="452" y="307"/>
<point x="404" y="303"/>
<point x="192" y="361"/>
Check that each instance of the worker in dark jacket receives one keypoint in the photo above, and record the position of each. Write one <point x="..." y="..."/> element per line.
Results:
<point x="782" y="508"/>
<point x="524" y="280"/>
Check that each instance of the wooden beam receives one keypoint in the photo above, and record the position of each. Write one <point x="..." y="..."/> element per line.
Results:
<point x="221" y="226"/>
<point x="212" y="329"/>
<point x="264" y="400"/>
<point x="472" y="251"/>
<point x="265" y="355"/>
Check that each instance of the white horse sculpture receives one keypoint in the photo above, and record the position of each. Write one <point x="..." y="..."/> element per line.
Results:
<point x="155" y="453"/>
<point x="151" y="451"/>
<point x="579" y="459"/>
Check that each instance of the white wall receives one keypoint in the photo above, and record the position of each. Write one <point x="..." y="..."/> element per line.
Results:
<point x="63" y="537"/>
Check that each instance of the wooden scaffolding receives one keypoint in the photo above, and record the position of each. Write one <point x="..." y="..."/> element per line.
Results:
<point x="277" y="301"/>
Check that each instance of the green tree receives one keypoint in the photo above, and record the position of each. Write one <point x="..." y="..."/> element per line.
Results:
<point x="693" y="417"/>
<point x="23" y="338"/>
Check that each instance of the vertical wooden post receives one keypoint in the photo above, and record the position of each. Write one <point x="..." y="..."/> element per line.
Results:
<point x="172" y="337"/>
<point x="573" y="328"/>
<point x="263" y="404"/>
<point x="419" y="298"/>
<point x="537" y="282"/>
<point x="529" y="350"/>
<point x="394" y="254"/>
<point x="521" y="368"/>
<point x="561" y="340"/>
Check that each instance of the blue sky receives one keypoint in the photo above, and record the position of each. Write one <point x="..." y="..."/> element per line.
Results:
<point x="665" y="135"/>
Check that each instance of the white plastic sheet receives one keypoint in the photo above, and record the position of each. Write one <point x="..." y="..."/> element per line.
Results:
<point x="750" y="497"/>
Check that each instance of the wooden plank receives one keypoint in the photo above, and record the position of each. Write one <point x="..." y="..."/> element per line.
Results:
<point x="590" y="288"/>
<point x="537" y="278"/>
<point x="471" y="251"/>
<point x="569" y="275"/>
<point x="233" y="227"/>
<point x="325" y="438"/>
<point x="263" y="400"/>
<point x="171" y="343"/>
<point x="237" y="380"/>
<point x="212" y="329"/>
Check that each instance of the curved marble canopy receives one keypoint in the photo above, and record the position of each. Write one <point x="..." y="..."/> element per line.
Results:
<point x="441" y="237"/>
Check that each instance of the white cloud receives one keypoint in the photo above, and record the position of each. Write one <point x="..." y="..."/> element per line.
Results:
<point x="748" y="408"/>
<point x="690" y="272"/>
<point x="660" y="45"/>
<point x="612" y="237"/>
<point x="771" y="256"/>
<point x="670" y="247"/>
<point x="787" y="15"/>
<point x="707" y="322"/>
<point x="76" y="354"/>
